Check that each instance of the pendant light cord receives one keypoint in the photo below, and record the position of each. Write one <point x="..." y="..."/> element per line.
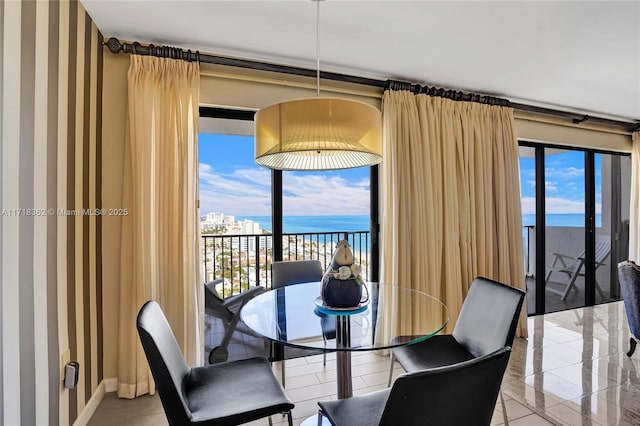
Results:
<point x="318" y="47"/>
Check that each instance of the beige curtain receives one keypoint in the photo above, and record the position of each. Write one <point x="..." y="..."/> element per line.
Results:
<point x="450" y="200"/>
<point x="634" y="223"/>
<point x="160" y="247"/>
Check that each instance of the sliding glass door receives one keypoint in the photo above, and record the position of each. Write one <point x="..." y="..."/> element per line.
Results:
<point x="612" y="196"/>
<point x="565" y="207"/>
<point x="575" y="216"/>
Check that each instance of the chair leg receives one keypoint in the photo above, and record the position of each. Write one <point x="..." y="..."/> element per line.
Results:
<point x="391" y="370"/>
<point x="270" y="421"/>
<point x="599" y="290"/>
<point x="632" y="346"/>
<point x="289" y="418"/>
<point x="572" y="283"/>
<point x="218" y="354"/>
<point x="324" y="354"/>
<point x="273" y="354"/>
<point x="283" y="384"/>
<point x="574" y="276"/>
<point x="504" y="409"/>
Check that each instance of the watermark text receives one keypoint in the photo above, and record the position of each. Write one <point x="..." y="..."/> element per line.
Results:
<point x="64" y="212"/>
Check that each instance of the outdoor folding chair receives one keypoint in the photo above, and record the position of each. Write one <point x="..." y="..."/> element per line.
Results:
<point x="574" y="267"/>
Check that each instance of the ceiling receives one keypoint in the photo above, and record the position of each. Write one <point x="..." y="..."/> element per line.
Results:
<point x="581" y="56"/>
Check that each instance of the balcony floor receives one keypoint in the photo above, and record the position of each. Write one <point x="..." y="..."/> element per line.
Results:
<point x="553" y="300"/>
<point x="572" y="370"/>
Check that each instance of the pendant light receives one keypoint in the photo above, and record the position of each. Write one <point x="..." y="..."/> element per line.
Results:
<point x="318" y="133"/>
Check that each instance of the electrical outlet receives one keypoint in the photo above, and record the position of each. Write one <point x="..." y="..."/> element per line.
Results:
<point x="66" y="357"/>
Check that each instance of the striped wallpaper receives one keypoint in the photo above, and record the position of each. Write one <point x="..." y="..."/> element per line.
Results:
<point x="50" y="164"/>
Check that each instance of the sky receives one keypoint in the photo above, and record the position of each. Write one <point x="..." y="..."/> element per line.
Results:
<point x="564" y="183"/>
<point x="231" y="183"/>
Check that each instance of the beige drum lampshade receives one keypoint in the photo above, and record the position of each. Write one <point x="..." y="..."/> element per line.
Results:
<point x="318" y="134"/>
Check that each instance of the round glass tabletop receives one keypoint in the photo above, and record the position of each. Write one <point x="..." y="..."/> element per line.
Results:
<point x="393" y="316"/>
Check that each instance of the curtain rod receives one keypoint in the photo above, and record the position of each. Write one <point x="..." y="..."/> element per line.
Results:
<point x="115" y="46"/>
<point x="447" y="94"/>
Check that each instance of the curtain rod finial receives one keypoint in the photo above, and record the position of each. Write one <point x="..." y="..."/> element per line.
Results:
<point x="580" y="120"/>
<point x="114" y="45"/>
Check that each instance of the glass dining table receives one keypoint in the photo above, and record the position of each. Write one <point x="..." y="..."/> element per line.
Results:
<point x="391" y="316"/>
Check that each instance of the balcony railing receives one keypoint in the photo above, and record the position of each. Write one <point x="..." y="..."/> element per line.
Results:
<point x="244" y="261"/>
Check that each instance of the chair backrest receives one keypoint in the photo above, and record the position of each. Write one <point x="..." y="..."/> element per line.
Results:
<point x="489" y="316"/>
<point x="167" y="364"/>
<point x="213" y="303"/>
<point x="629" y="277"/>
<point x="603" y="247"/>
<point x="457" y="394"/>
<point x="285" y="273"/>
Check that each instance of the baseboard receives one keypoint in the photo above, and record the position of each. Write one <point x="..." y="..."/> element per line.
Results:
<point x="92" y="405"/>
<point x="110" y="384"/>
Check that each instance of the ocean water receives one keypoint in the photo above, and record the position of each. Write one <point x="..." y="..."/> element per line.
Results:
<point x="351" y="223"/>
<point x="310" y="224"/>
<point x="563" y="219"/>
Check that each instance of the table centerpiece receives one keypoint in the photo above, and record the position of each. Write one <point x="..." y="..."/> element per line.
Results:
<point x="342" y="284"/>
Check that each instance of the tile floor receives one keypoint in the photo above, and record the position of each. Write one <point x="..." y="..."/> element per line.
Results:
<point x="572" y="370"/>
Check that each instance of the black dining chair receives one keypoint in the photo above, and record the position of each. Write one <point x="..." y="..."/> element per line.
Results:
<point x="463" y="393"/>
<point x="290" y="272"/>
<point x="224" y="394"/>
<point x="487" y="321"/>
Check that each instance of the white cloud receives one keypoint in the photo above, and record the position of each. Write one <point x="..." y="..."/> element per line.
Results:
<point x="248" y="192"/>
<point x="553" y="206"/>
<point x="564" y="173"/>
<point x="556" y="205"/>
<point x="563" y="205"/>
<point x="324" y="194"/>
<point x="528" y="205"/>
